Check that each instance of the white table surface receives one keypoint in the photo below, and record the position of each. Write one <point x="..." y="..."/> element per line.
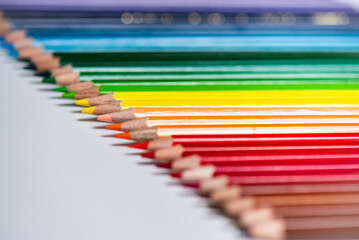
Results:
<point x="61" y="178"/>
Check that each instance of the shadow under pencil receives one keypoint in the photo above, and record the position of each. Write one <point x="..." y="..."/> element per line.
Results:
<point x="47" y="90"/>
<point x="87" y="120"/>
<point x="66" y="104"/>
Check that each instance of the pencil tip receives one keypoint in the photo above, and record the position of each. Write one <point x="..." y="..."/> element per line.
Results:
<point x="88" y="110"/>
<point x="125" y="135"/>
<point x="82" y="102"/>
<point x="43" y="74"/>
<point x="60" y="89"/>
<point x="104" y="118"/>
<point x="13" y="54"/>
<point x="143" y="145"/>
<point x="176" y="175"/>
<point x="148" y="155"/>
<point x="49" y="80"/>
<point x="70" y="95"/>
<point x="116" y="126"/>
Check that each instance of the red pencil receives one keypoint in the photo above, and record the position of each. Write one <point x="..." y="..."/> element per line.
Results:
<point x="169" y="154"/>
<point x="220" y="182"/>
<point x="151" y="134"/>
<point x="198" y="174"/>
<point x="192" y="161"/>
<point x="222" y="195"/>
<point x="249" y="140"/>
<point x="234" y="191"/>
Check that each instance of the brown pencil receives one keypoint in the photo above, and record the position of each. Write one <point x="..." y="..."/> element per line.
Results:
<point x="235" y="191"/>
<point x="325" y="227"/>
<point x="252" y="216"/>
<point x="236" y="206"/>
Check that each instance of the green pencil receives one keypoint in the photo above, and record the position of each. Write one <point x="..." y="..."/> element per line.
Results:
<point x="204" y="79"/>
<point x="197" y="56"/>
<point x="220" y="68"/>
<point x="228" y="86"/>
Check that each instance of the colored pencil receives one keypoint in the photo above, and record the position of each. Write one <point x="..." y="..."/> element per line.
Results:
<point x="71" y="84"/>
<point x="154" y="133"/>
<point x="112" y="83"/>
<point x="225" y="98"/>
<point x="74" y="57"/>
<point x="248" y="140"/>
<point x="118" y="115"/>
<point x="90" y="73"/>
<point x="196" y="175"/>
<point x="221" y="195"/>
<point x="260" y="118"/>
<point x="222" y="182"/>
<point x="236" y="206"/>
<point x="234" y="121"/>
<point x="177" y="151"/>
<point x="308" y="227"/>
<point x="224" y="86"/>
<point x="194" y="160"/>
<point x="263" y="213"/>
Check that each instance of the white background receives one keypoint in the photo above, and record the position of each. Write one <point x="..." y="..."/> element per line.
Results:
<point x="61" y="178"/>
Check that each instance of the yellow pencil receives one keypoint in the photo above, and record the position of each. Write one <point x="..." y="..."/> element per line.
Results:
<point x="226" y="98"/>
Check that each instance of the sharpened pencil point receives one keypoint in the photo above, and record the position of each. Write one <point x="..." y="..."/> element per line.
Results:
<point x="116" y="126"/>
<point x="125" y="135"/>
<point x="88" y="110"/>
<point x="148" y="154"/>
<point x="60" y="89"/>
<point x="104" y="118"/>
<point x="70" y="95"/>
<point x="143" y="145"/>
<point x="82" y="102"/>
<point x="176" y="175"/>
<point x="49" y="80"/>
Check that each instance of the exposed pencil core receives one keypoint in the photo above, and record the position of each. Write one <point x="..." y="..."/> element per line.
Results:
<point x="82" y="102"/>
<point x="59" y="89"/>
<point x="88" y="110"/>
<point x="69" y="95"/>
